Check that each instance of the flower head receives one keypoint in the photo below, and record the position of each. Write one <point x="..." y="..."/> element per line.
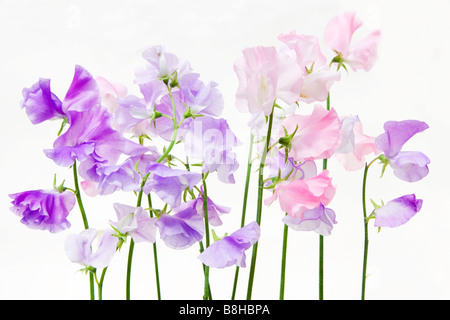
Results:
<point x="410" y="166"/>
<point x="338" y="36"/>
<point x="397" y="211"/>
<point x="230" y="250"/>
<point x="44" y="209"/>
<point x="91" y="247"/>
<point x="320" y="220"/>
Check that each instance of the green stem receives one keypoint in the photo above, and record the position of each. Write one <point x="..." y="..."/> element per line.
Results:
<point x="283" y="262"/>
<point x="207" y="295"/>
<point x="100" y="284"/>
<point x="85" y="222"/>
<point x="321" y="247"/>
<point x="366" y="232"/>
<point x="144" y="180"/>
<point x="155" y="253"/>
<point x="259" y="205"/>
<point x="244" y="207"/>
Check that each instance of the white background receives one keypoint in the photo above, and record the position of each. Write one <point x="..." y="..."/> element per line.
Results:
<point x="410" y="81"/>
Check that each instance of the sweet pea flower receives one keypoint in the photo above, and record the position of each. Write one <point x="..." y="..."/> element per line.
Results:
<point x="266" y="75"/>
<point x="110" y="92"/>
<point x="44" y="209"/>
<point x="90" y="135"/>
<point x="297" y="196"/>
<point x="319" y="220"/>
<point x="214" y="210"/>
<point x="317" y="77"/>
<point x="317" y="135"/>
<point x="42" y="104"/>
<point x="355" y="145"/>
<point x="168" y="184"/>
<point x="338" y="36"/>
<point x="135" y="222"/>
<point x="410" y="166"/>
<point x="397" y="211"/>
<point x="91" y="247"/>
<point x="230" y="250"/>
<point x="211" y="141"/>
<point x="182" y="229"/>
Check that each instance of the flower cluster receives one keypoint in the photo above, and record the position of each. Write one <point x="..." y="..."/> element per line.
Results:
<point x="163" y="144"/>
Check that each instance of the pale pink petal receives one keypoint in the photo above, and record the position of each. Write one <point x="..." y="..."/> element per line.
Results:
<point x="339" y="32"/>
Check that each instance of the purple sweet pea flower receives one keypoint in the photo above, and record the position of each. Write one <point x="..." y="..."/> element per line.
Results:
<point x="320" y="220"/>
<point x="397" y="212"/>
<point x="91" y="247"/>
<point x="44" y="209"/>
<point x="41" y="104"/>
<point x="182" y="229"/>
<point x="211" y="141"/>
<point x="169" y="184"/>
<point x="90" y="135"/>
<point x="135" y="222"/>
<point x="214" y="210"/>
<point x="410" y="166"/>
<point x="230" y="250"/>
<point x="109" y="179"/>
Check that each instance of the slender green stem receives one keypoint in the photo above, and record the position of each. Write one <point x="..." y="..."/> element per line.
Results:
<point x="207" y="240"/>
<point x="244" y="206"/>
<point x="321" y="239"/>
<point x="202" y="248"/>
<point x="100" y="284"/>
<point x="366" y="231"/>
<point x="259" y="205"/>
<point x="283" y="262"/>
<point x="85" y="221"/>
<point x="155" y="253"/>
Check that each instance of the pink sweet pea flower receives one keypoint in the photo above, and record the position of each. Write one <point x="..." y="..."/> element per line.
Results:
<point x="318" y="134"/>
<point x="297" y="196"/>
<point x="319" y="220"/>
<point x="110" y="91"/>
<point x="355" y="145"/>
<point x="338" y="36"/>
<point x="317" y="76"/>
<point x="264" y="75"/>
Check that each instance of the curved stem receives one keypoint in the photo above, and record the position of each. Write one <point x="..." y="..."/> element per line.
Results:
<point x="259" y="205"/>
<point x="283" y="262"/>
<point x="100" y="284"/>
<point x="85" y="222"/>
<point x="244" y="207"/>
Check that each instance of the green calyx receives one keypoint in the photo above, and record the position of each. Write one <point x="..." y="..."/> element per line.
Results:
<point x="385" y="161"/>
<point x="286" y="140"/>
<point x="339" y="60"/>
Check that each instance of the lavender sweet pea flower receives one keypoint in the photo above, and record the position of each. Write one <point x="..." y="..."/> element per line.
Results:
<point x="182" y="229"/>
<point x="169" y="184"/>
<point x="214" y="210"/>
<point x="320" y="220"/>
<point x="397" y="212"/>
<point x="44" y="209"/>
<point x="211" y="141"/>
<point x="410" y="166"/>
<point x="230" y="250"/>
<point x="91" y="247"/>
<point x="135" y="222"/>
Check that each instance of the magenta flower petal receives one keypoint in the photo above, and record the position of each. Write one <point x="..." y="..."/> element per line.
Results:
<point x="44" y="209"/>
<point x="230" y="250"/>
<point x="398" y="211"/>
<point x="396" y="134"/>
<point x="40" y="103"/>
<point x="83" y="92"/>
